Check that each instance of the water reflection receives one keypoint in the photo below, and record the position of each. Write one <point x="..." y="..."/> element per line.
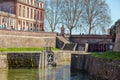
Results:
<point x="51" y="73"/>
<point x="3" y="74"/>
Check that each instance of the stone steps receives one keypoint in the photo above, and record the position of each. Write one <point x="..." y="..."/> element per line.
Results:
<point x="69" y="46"/>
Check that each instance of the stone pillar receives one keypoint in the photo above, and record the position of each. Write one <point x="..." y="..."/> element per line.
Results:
<point x="43" y="60"/>
<point x="3" y="61"/>
<point x="86" y="47"/>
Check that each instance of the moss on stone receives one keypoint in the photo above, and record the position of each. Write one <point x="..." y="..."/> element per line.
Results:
<point x="23" y="49"/>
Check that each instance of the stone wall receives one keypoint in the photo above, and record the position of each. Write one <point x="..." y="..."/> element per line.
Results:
<point x="82" y="39"/>
<point x="104" y="69"/>
<point x="117" y="40"/>
<point x="23" y="60"/>
<point x="62" y="57"/>
<point x="10" y="60"/>
<point x="32" y="59"/>
<point x="26" y="39"/>
<point x="3" y="61"/>
<point x="79" y="62"/>
<point x="97" y="68"/>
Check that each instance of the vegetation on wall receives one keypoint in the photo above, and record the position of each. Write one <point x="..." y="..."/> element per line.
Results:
<point x="24" y="49"/>
<point x="108" y="55"/>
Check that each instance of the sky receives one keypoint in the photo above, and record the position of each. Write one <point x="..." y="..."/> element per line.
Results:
<point x="114" y="6"/>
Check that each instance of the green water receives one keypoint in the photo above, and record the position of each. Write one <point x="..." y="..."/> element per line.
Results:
<point x="50" y="73"/>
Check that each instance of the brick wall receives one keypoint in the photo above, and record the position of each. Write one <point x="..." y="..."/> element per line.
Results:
<point x="27" y="39"/>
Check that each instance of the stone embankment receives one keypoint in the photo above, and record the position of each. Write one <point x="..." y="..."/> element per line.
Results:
<point x="97" y="68"/>
<point x="10" y="39"/>
<point x="104" y="69"/>
<point x="32" y="59"/>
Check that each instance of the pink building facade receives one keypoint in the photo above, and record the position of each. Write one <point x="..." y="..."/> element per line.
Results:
<point x="22" y="15"/>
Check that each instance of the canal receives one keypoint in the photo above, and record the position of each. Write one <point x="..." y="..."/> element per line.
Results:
<point x="49" y="73"/>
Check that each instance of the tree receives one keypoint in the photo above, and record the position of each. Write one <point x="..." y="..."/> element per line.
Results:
<point x="113" y="29"/>
<point x="52" y="13"/>
<point x="71" y="13"/>
<point x="117" y="22"/>
<point x="112" y="32"/>
<point x="95" y="15"/>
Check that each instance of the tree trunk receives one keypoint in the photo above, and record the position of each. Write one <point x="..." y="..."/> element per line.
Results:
<point x="90" y="30"/>
<point x="52" y="30"/>
<point x="70" y="32"/>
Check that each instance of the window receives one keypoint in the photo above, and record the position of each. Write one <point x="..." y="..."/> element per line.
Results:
<point x="31" y="27"/>
<point x="40" y="5"/>
<point x="19" y="25"/>
<point x="41" y="16"/>
<point x="27" y="25"/>
<point x="23" y="25"/>
<point x="3" y="20"/>
<point x="24" y="11"/>
<point x="19" y="22"/>
<point x="34" y="2"/>
<point x="31" y="13"/>
<point x="11" y="21"/>
<point x="28" y="1"/>
<point x="31" y="2"/>
<point x="19" y="10"/>
<point x="28" y="12"/>
<point x="38" y="15"/>
<point x="35" y="14"/>
<point x="41" y="27"/>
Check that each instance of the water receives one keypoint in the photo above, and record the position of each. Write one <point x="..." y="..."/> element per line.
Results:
<point x="50" y="73"/>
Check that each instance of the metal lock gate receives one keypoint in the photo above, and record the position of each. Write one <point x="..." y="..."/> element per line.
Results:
<point x="50" y="58"/>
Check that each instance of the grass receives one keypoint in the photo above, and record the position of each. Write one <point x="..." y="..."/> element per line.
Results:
<point x="108" y="55"/>
<point x="24" y="49"/>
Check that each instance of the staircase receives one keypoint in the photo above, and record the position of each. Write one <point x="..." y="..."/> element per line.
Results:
<point x="63" y="39"/>
<point x="69" y="46"/>
<point x="65" y="44"/>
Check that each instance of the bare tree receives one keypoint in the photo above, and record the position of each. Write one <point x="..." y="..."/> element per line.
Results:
<point x="52" y="13"/>
<point x="95" y="15"/>
<point x="71" y="13"/>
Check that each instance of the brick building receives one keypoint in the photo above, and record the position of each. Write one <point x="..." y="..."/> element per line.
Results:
<point x="23" y="15"/>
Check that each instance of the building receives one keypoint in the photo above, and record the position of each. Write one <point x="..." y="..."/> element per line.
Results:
<point x="117" y="40"/>
<point x="62" y="30"/>
<point x="91" y="39"/>
<point x="22" y="15"/>
<point x="96" y="43"/>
